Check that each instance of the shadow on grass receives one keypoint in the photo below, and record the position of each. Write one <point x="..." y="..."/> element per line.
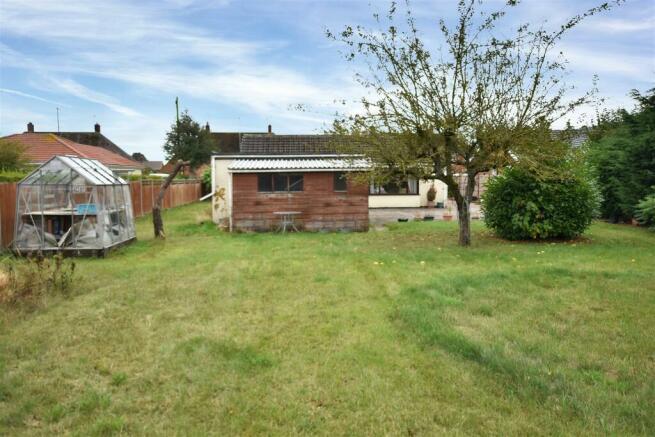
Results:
<point x="422" y="311"/>
<point x="208" y="353"/>
<point x="427" y="314"/>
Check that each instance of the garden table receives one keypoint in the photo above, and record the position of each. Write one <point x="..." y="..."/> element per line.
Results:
<point x="287" y="220"/>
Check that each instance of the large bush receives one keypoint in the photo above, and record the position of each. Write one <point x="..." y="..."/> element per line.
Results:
<point x="622" y="154"/>
<point x="519" y="205"/>
<point x="645" y="212"/>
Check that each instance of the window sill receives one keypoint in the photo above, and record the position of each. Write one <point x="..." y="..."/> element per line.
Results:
<point x="391" y="194"/>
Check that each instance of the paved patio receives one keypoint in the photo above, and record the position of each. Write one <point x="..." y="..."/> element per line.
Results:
<point x="381" y="216"/>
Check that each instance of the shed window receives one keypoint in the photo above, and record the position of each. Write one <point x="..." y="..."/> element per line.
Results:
<point x="279" y="182"/>
<point x="340" y="181"/>
<point x="264" y="182"/>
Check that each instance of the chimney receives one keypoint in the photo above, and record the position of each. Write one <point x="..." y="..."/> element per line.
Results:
<point x="97" y="128"/>
<point x="207" y="127"/>
<point x="30" y="127"/>
<point x="270" y="129"/>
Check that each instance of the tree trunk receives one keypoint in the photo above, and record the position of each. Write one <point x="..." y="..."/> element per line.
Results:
<point x="464" y="211"/>
<point x="157" y="221"/>
<point x="464" y="219"/>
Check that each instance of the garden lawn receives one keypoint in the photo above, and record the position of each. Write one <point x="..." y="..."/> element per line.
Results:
<point x="387" y="332"/>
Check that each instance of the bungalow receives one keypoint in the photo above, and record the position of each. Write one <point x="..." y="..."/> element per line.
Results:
<point x="41" y="147"/>
<point x="309" y="155"/>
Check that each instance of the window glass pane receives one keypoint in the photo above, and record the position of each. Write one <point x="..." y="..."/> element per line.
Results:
<point x="340" y="181"/>
<point x="295" y="182"/>
<point x="412" y="186"/>
<point x="408" y="186"/>
<point x="264" y="182"/>
<point x="391" y="188"/>
<point x="280" y="182"/>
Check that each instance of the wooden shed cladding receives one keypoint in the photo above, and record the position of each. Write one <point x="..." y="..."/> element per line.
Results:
<point x="321" y="206"/>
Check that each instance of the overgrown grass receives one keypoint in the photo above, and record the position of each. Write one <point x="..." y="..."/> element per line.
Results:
<point x="388" y="332"/>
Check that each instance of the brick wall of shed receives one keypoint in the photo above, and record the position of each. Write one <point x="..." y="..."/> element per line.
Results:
<point x="322" y="208"/>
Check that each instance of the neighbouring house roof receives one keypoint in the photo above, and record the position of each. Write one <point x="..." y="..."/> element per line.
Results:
<point x="40" y="147"/>
<point x="575" y="137"/>
<point x="153" y="165"/>
<point x="92" y="139"/>
<point x="324" y="163"/>
<point x="271" y="144"/>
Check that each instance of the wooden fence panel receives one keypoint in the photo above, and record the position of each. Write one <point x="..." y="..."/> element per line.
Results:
<point x="7" y="213"/>
<point x="143" y="197"/>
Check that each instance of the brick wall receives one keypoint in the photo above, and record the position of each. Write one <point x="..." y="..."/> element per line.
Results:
<point x="322" y="208"/>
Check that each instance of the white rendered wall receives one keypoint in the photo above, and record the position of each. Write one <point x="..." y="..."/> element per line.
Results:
<point x="408" y="200"/>
<point x="221" y="202"/>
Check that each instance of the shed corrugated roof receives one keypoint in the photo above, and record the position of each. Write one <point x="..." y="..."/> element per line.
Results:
<point x="299" y="164"/>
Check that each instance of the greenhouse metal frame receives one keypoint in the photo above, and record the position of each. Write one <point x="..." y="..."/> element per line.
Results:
<point x="72" y="205"/>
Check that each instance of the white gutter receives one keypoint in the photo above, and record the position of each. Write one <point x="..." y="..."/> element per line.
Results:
<point x="281" y="156"/>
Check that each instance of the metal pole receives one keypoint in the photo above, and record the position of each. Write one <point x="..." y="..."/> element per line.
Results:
<point x="41" y="185"/>
<point x="72" y="206"/>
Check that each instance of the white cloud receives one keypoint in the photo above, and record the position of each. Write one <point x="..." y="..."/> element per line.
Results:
<point x="618" y="25"/>
<point x="78" y="90"/>
<point x="32" y="96"/>
<point x="632" y="67"/>
<point x="152" y="51"/>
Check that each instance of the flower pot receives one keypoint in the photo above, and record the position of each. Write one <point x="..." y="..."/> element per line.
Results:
<point x="447" y="217"/>
<point x="428" y="218"/>
<point x="430" y="203"/>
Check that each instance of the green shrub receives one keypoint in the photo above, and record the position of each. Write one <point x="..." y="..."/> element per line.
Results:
<point x="520" y="206"/>
<point x="645" y="213"/>
<point x="12" y="175"/>
<point x="207" y="180"/>
<point x="12" y="155"/>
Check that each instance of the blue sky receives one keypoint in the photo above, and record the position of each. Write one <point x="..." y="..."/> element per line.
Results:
<point x="243" y="64"/>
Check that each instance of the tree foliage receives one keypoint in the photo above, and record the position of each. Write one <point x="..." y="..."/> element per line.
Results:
<point x="12" y="156"/>
<point x="645" y="213"/>
<point x="138" y="156"/>
<point x="622" y="152"/>
<point x="520" y="205"/>
<point x="188" y="141"/>
<point x="485" y="99"/>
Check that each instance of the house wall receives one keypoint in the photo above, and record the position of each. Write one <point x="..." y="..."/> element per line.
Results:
<point x="221" y="189"/>
<point x="409" y="200"/>
<point x="322" y="208"/>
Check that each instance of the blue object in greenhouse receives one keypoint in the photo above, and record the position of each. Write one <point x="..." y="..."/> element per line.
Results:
<point x="86" y="208"/>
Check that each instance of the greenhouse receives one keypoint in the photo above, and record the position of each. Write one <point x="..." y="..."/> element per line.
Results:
<point x="73" y="205"/>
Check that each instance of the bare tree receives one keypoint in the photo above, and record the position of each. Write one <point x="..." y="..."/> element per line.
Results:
<point x="157" y="221"/>
<point x="479" y="102"/>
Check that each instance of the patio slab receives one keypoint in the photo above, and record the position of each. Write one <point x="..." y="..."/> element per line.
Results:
<point x="381" y="216"/>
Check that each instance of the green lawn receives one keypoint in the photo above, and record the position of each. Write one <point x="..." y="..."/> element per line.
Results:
<point x="388" y="332"/>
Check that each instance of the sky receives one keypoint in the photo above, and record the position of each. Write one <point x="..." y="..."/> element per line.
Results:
<point x="241" y="65"/>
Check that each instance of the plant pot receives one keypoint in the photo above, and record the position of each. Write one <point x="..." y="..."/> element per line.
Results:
<point x="403" y="220"/>
<point x="430" y="203"/>
<point x="428" y="218"/>
<point x="440" y="205"/>
<point x="447" y="217"/>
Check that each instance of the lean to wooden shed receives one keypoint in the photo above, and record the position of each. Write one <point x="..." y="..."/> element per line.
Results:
<point x="72" y="205"/>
